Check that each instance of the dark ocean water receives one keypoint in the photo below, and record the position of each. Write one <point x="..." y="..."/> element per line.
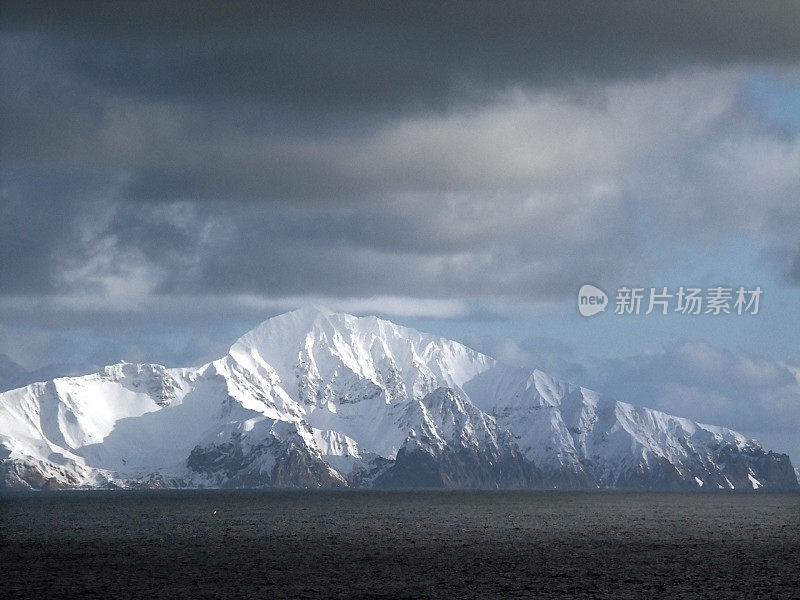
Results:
<point x="218" y="544"/>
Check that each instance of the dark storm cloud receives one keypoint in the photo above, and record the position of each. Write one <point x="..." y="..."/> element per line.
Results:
<point x="317" y="68"/>
<point x="290" y="251"/>
<point x="360" y="55"/>
<point x="34" y="228"/>
<point x="430" y="149"/>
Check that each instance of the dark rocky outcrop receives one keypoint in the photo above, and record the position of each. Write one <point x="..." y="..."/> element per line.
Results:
<point x="271" y="463"/>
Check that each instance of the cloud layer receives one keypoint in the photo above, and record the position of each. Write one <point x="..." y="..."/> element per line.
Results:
<point x="519" y="198"/>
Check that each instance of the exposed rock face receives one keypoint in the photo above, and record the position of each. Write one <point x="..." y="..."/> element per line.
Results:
<point x="272" y="462"/>
<point x="317" y="399"/>
<point x="460" y="468"/>
<point x="741" y="465"/>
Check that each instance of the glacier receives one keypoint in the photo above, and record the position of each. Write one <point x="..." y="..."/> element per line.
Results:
<point x="314" y="398"/>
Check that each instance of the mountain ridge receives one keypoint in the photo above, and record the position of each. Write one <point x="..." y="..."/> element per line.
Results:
<point x="315" y="398"/>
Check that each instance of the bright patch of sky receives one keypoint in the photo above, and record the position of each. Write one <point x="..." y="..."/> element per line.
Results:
<point x="778" y="98"/>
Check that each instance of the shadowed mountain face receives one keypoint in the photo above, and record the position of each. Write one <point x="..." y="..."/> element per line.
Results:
<point x="317" y="399"/>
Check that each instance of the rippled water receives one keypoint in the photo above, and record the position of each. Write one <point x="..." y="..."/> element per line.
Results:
<point x="216" y="544"/>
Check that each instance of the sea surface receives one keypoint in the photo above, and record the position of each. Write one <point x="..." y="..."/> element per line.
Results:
<point x="349" y="544"/>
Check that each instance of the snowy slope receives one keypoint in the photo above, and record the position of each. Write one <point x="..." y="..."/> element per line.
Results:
<point x="315" y="398"/>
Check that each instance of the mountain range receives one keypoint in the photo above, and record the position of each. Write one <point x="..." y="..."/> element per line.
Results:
<point x="314" y="398"/>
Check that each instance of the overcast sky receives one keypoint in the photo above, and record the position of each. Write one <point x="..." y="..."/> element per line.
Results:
<point x="172" y="175"/>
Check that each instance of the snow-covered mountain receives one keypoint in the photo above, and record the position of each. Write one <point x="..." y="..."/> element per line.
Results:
<point x="314" y="398"/>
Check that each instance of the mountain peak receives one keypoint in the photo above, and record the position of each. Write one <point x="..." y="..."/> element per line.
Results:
<point x="289" y="325"/>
